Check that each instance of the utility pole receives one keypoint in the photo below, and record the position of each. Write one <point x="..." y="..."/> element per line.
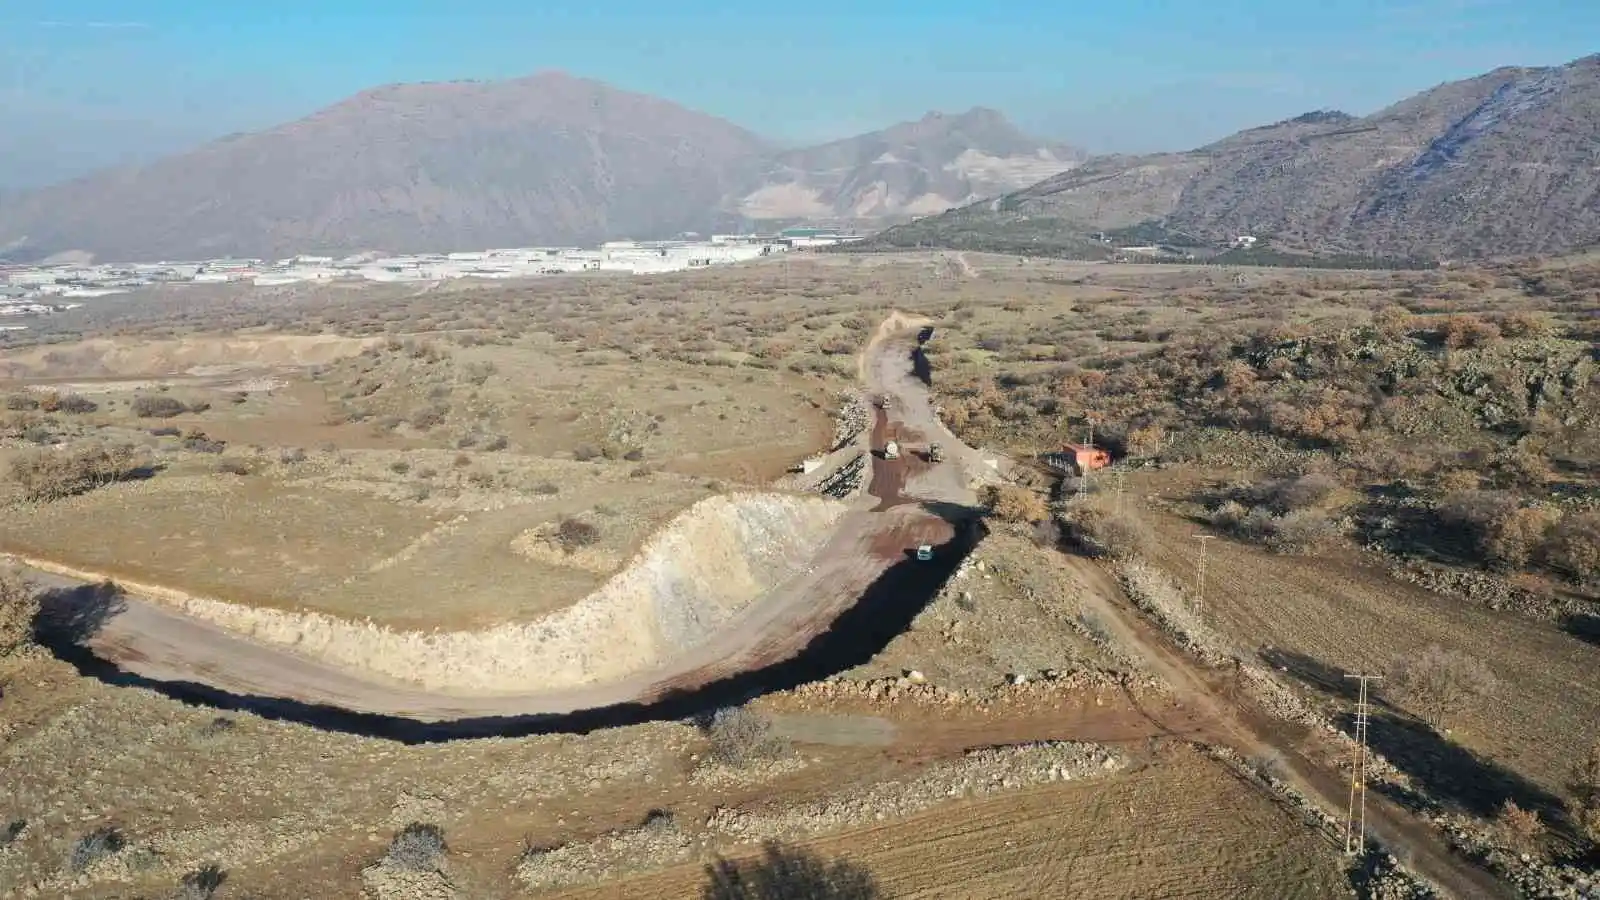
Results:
<point x="1200" y="572"/>
<point x="1355" y="818"/>
<point x="1120" y="475"/>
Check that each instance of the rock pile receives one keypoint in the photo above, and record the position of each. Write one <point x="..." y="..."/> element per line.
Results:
<point x="852" y="419"/>
<point x="912" y="690"/>
<point x="979" y="774"/>
<point x="1488" y="590"/>
<point x="846" y="480"/>
<point x="386" y="882"/>
<point x="1382" y="877"/>
<point x="661" y="841"/>
<point x="1533" y="878"/>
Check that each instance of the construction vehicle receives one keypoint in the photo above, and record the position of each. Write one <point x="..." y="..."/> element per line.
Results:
<point x="891" y="450"/>
<point x="935" y="452"/>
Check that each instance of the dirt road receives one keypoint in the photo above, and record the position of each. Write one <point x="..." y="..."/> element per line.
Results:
<point x="1257" y="734"/>
<point x="866" y="564"/>
<point x="1241" y="725"/>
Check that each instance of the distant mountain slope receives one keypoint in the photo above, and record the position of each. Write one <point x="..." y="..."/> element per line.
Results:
<point x="913" y="168"/>
<point x="545" y="159"/>
<point x="549" y="159"/>
<point x="1506" y="163"/>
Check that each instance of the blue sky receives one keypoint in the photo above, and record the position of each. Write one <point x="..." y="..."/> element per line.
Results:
<point x="85" y="83"/>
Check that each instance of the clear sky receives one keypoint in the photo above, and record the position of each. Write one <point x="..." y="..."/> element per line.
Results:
<point x="84" y="83"/>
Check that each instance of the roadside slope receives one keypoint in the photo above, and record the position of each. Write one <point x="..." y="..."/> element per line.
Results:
<point x="783" y="582"/>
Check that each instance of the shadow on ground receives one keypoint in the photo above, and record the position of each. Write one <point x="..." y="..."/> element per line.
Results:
<point x="68" y="618"/>
<point x="1452" y="774"/>
<point x="788" y="873"/>
<point x="920" y="367"/>
<point x="1439" y="768"/>
<point x="1314" y="673"/>
<point x="1583" y="626"/>
<point x="71" y="616"/>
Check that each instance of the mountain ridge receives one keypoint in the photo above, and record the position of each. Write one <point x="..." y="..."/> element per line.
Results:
<point x="548" y="158"/>
<point x="1504" y="163"/>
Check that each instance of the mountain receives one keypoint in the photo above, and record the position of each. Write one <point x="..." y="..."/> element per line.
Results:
<point x="910" y="169"/>
<point x="550" y="159"/>
<point x="546" y="159"/>
<point x="1501" y="164"/>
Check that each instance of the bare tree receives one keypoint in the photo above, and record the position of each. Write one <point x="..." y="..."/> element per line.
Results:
<point x="1586" y="793"/>
<point x="1520" y="829"/>
<point x="18" y="607"/>
<point x="1438" y="683"/>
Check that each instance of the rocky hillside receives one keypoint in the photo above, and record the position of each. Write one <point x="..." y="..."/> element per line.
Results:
<point x="545" y="159"/>
<point x="910" y="169"/>
<point x="550" y="159"/>
<point x="1495" y="165"/>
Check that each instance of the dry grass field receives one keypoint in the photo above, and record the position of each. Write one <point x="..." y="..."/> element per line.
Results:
<point x="465" y="456"/>
<point x="1156" y="832"/>
<point x="1321" y="616"/>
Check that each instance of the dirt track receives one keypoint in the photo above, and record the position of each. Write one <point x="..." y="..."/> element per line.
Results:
<point x="869" y="553"/>
<point x="161" y="645"/>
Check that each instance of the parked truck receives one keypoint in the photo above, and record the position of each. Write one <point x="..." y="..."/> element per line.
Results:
<point x="891" y="450"/>
<point x="935" y="452"/>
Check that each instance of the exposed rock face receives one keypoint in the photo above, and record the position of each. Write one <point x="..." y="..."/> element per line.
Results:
<point x="1494" y="165"/>
<point x="709" y="563"/>
<point x="910" y="169"/>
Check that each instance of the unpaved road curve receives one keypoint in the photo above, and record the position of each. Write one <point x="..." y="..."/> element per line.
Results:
<point x="163" y="646"/>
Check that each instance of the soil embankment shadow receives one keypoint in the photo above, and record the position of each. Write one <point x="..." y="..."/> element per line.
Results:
<point x="74" y="615"/>
<point x="920" y="367"/>
<point x="885" y="609"/>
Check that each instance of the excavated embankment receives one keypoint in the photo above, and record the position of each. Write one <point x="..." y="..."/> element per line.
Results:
<point x="713" y="560"/>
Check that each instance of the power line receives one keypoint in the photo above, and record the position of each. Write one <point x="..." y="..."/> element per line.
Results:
<point x="1355" y="819"/>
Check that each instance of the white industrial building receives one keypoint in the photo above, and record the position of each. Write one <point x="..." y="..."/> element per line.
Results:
<point x="19" y="283"/>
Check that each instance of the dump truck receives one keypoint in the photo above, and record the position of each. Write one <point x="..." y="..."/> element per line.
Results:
<point x="935" y="453"/>
<point x="891" y="450"/>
